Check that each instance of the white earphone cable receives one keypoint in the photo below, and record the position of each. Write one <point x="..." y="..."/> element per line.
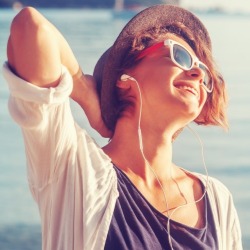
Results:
<point x="205" y="190"/>
<point x="141" y="145"/>
<point x="156" y="176"/>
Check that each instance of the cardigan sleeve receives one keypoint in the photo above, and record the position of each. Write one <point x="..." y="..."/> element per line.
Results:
<point x="235" y="231"/>
<point x="47" y="124"/>
<point x="225" y="215"/>
<point x="70" y="177"/>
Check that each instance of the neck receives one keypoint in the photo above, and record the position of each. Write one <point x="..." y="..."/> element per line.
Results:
<point x="124" y="150"/>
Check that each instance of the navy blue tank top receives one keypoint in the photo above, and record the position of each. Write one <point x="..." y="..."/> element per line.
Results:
<point x="137" y="225"/>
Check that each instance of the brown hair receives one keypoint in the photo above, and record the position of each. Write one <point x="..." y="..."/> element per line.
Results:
<point x="214" y="110"/>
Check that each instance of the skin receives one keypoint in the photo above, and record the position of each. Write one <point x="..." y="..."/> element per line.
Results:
<point x="161" y="93"/>
<point x="37" y="59"/>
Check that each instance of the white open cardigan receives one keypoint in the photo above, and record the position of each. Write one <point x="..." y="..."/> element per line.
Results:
<point x="73" y="180"/>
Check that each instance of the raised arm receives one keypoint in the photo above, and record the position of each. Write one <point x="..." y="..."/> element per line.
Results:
<point x="36" y="50"/>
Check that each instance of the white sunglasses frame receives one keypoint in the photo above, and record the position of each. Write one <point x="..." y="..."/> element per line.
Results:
<point x="195" y="61"/>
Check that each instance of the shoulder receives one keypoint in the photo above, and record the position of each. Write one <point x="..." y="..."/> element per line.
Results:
<point x="217" y="191"/>
<point x="212" y="184"/>
<point x="218" y="187"/>
<point x="224" y="212"/>
<point x="221" y="201"/>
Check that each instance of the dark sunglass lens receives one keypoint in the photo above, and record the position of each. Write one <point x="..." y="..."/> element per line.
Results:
<point x="182" y="56"/>
<point x="207" y="78"/>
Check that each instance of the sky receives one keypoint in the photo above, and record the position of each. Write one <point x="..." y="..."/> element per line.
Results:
<point x="229" y="5"/>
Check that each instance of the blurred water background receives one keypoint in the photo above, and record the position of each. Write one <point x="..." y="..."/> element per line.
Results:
<point x="90" y="32"/>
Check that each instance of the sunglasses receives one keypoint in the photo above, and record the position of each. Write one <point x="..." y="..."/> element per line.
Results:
<point x="182" y="58"/>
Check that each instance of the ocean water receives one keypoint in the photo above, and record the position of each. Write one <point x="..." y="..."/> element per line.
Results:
<point x="90" y="32"/>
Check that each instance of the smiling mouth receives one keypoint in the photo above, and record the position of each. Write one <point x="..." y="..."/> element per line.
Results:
<point x="189" y="89"/>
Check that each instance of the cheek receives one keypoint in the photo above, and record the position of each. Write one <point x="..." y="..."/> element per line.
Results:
<point x="203" y="97"/>
<point x="158" y="79"/>
<point x="201" y="119"/>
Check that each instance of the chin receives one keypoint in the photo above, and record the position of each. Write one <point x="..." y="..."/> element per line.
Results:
<point x="190" y="110"/>
<point x="190" y="115"/>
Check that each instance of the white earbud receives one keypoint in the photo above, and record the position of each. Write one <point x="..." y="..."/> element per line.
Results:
<point x="126" y="77"/>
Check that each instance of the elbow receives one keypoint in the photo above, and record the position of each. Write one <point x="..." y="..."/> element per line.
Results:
<point x="26" y="22"/>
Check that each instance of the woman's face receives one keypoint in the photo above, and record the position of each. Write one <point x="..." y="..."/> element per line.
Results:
<point x="170" y="93"/>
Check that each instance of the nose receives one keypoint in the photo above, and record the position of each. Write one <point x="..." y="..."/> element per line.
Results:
<point x="196" y="73"/>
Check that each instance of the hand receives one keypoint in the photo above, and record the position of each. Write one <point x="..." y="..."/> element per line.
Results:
<point x="85" y="94"/>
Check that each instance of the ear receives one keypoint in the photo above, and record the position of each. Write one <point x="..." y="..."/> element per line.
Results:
<point x="124" y="82"/>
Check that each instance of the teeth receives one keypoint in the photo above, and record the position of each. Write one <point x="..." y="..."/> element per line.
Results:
<point x="194" y="91"/>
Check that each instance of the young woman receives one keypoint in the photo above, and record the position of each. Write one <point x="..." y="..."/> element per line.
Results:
<point x="156" y="78"/>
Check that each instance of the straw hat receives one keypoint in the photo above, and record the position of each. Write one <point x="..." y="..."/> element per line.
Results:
<point x="106" y="69"/>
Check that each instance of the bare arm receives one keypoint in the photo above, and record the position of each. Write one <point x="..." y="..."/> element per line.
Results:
<point x="36" y="50"/>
